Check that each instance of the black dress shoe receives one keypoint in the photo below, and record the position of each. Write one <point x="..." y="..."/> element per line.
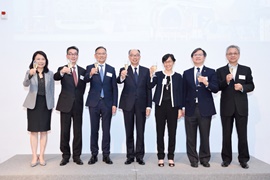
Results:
<point x="93" y="160"/>
<point x="225" y="164"/>
<point x="78" y="161"/>
<point x="244" y="165"/>
<point x="194" y="164"/>
<point x="205" y="164"/>
<point x="107" y="160"/>
<point x="64" y="162"/>
<point x="129" y="160"/>
<point x="141" y="161"/>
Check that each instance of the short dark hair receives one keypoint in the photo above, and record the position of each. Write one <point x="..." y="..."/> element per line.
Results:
<point x="73" y="47"/>
<point x="167" y="56"/>
<point x="46" y="69"/>
<point x="100" y="47"/>
<point x="133" y="49"/>
<point x="198" y="49"/>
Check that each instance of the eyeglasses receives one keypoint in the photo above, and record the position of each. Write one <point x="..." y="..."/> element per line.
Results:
<point x="232" y="54"/>
<point x="70" y="54"/>
<point x="134" y="55"/>
<point x="99" y="54"/>
<point x="200" y="55"/>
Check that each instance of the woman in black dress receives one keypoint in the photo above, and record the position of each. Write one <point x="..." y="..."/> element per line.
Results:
<point x="168" y="98"/>
<point x="39" y="103"/>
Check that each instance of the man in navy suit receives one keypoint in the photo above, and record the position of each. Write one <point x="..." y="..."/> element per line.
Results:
<point x="70" y="104"/>
<point x="199" y="83"/>
<point x="235" y="81"/>
<point x="102" y="103"/>
<point x="136" y="103"/>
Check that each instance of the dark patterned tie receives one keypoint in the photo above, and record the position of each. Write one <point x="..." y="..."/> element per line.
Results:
<point x="74" y="74"/>
<point x="197" y="75"/>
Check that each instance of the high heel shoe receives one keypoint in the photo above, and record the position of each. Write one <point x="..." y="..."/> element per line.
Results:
<point x="171" y="163"/>
<point x="161" y="163"/>
<point x="42" y="163"/>
<point x="35" y="163"/>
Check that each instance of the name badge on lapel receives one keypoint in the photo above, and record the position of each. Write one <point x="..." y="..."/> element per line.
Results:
<point x="242" y="77"/>
<point x="81" y="77"/>
<point x="109" y="74"/>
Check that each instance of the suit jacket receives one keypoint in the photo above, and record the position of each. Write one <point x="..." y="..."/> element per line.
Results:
<point x="133" y="91"/>
<point x="30" y="101"/>
<point x="69" y="92"/>
<point x="108" y="85"/>
<point x="203" y="93"/>
<point x="176" y="90"/>
<point x="230" y="98"/>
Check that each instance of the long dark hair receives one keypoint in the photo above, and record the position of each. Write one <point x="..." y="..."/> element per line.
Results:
<point x="46" y="69"/>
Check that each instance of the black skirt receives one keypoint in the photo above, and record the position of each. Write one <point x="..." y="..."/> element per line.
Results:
<point x="39" y="118"/>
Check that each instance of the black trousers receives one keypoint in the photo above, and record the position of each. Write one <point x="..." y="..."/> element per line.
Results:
<point x="166" y="114"/>
<point x="192" y="124"/>
<point x="138" y="118"/>
<point x="241" y="128"/>
<point x="66" y="119"/>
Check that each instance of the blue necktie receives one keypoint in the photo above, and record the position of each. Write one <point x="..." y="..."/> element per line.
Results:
<point x="197" y="75"/>
<point x="101" y="77"/>
<point x="136" y="75"/>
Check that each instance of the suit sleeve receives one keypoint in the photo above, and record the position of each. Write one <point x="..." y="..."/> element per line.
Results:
<point x="149" y="91"/>
<point x="57" y="76"/>
<point x="181" y="105"/>
<point x="249" y="85"/>
<point x="87" y="74"/>
<point x="26" y="81"/>
<point x="115" y="89"/>
<point x="119" y="77"/>
<point x="184" y="89"/>
<point x="222" y="83"/>
<point x="213" y="83"/>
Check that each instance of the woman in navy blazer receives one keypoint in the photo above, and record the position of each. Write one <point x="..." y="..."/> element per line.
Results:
<point x="39" y="103"/>
<point x="168" y="99"/>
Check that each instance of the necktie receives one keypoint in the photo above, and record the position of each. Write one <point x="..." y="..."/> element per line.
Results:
<point x="136" y="75"/>
<point x="101" y="77"/>
<point x="74" y="76"/>
<point x="101" y="72"/>
<point x="197" y="75"/>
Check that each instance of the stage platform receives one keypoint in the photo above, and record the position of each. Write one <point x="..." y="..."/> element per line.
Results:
<point x="18" y="167"/>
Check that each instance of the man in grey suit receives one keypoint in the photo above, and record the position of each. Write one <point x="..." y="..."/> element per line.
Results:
<point x="235" y="81"/>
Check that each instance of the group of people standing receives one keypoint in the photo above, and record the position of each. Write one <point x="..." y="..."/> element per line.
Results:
<point x="175" y="96"/>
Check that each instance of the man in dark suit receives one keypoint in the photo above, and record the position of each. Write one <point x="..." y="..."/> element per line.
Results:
<point x="235" y="81"/>
<point x="102" y="103"/>
<point x="199" y="83"/>
<point x="70" y="104"/>
<point x="136" y="103"/>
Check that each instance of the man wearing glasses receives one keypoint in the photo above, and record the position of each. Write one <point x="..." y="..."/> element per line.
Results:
<point x="102" y="103"/>
<point x="70" y="104"/>
<point x="235" y="81"/>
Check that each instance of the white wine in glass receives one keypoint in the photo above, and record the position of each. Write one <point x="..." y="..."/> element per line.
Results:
<point x="154" y="69"/>
<point x="126" y="67"/>
<point x="96" y="66"/>
<point x="69" y="64"/>
<point x="35" y="65"/>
